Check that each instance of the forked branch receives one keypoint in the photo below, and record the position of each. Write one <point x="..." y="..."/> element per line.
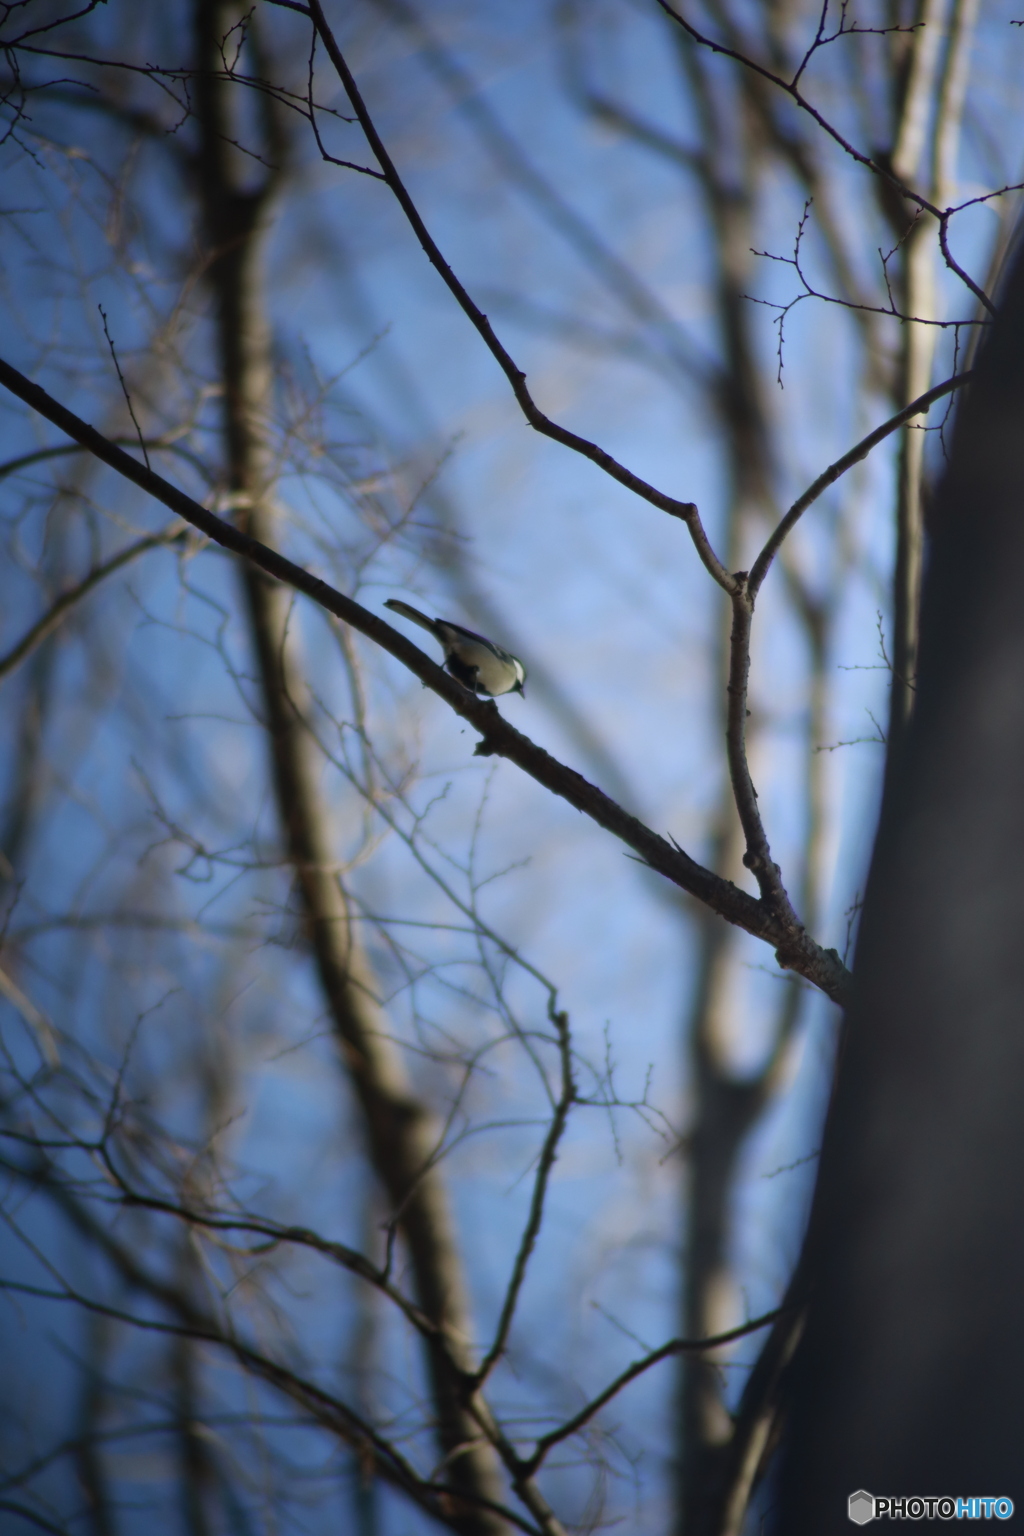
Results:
<point x="828" y="477"/>
<point x="516" y="377"/>
<point x="794" y="948"/>
<point x="638" y="1368"/>
<point x="62" y="606"/>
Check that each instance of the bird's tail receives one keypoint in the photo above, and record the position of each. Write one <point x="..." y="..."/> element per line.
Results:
<point x="410" y="613"/>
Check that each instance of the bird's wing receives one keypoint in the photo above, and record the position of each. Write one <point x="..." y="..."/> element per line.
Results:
<point x="462" y="633"/>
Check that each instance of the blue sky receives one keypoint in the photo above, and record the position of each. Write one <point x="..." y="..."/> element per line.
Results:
<point x="603" y="591"/>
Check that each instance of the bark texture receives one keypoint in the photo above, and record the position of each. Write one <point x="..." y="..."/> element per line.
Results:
<point x="908" y="1378"/>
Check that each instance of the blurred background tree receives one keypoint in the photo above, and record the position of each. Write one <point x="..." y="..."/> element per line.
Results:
<point x="365" y="1115"/>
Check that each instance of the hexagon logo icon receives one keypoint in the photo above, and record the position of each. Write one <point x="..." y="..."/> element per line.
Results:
<point x="861" y="1507"/>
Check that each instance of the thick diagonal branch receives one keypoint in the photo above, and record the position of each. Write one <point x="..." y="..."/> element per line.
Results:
<point x="799" y="953"/>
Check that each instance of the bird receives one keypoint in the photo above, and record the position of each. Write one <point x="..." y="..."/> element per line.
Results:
<point x="472" y="660"/>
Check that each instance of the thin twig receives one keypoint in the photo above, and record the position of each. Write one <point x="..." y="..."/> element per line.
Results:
<point x="516" y="377"/>
<point x="124" y="386"/>
<point x="59" y="611"/>
<point x="853" y="456"/>
<point x="664" y="1352"/>
<point x="62" y="450"/>
<point x="702" y="544"/>
<point x="42" y="1029"/>
<point x="275" y="1234"/>
<point x="791" y="89"/>
<point x="439" y="1499"/>
<point x="757" y="858"/>
<point x="954" y="265"/>
<point x="188" y="1320"/>
<point x="546" y="1162"/>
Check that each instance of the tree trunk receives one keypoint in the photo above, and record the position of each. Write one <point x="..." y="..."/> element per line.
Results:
<point x="908" y="1379"/>
<point x="400" y="1130"/>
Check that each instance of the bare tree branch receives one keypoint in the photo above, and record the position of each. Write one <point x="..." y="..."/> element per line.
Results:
<point x="59" y="610"/>
<point x="545" y="1164"/>
<point x="444" y="1501"/>
<point x="664" y="1352"/>
<point x="515" y="376"/>
<point x="853" y="456"/>
<point x="794" y="950"/>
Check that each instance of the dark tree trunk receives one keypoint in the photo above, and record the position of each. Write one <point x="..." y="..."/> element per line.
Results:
<point x="909" y="1378"/>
